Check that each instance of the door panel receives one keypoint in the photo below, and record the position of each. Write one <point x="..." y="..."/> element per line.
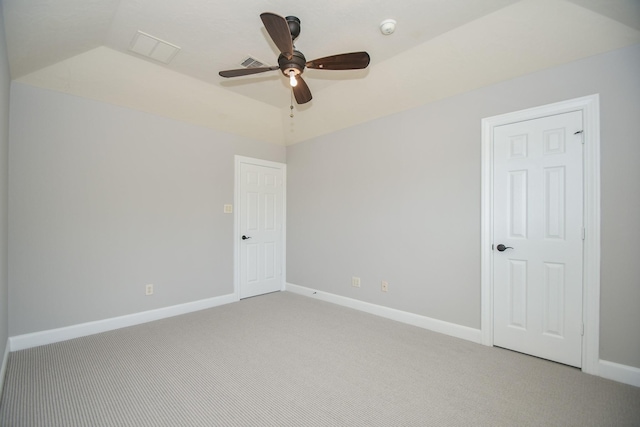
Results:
<point x="538" y="215"/>
<point x="554" y="187"/>
<point x="554" y="290"/>
<point x="518" y="294"/>
<point x="518" y="219"/>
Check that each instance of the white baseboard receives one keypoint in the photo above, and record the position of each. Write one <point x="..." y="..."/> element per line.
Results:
<point x="21" y="342"/>
<point x="621" y="373"/>
<point x="609" y="370"/>
<point x="435" y="325"/>
<point x="3" y="368"/>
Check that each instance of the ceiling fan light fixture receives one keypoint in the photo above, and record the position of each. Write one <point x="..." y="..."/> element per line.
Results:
<point x="292" y="79"/>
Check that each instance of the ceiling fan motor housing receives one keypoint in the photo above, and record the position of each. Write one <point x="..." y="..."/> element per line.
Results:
<point x="294" y="26"/>
<point x="295" y="64"/>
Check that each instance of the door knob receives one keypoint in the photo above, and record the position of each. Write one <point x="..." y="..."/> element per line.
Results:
<point x="502" y="247"/>
<point x="245" y="237"/>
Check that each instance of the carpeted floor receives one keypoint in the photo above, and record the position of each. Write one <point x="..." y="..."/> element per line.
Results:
<point x="287" y="360"/>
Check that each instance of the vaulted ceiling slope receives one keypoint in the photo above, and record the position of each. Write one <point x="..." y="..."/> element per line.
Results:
<point x="440" y="48"/>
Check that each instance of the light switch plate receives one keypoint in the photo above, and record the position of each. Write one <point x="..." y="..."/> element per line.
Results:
<point x="228" y="208"/>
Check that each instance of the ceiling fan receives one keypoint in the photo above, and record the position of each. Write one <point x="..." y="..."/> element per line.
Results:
<point x="283" y="31"/>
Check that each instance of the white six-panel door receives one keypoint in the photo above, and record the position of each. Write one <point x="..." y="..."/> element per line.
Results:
<point x="538" y="216"/>
<point x="261" y="214"/>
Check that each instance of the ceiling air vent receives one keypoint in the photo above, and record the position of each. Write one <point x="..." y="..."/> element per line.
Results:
<point x="250" y="62"/>
<point x="152" y="47"/>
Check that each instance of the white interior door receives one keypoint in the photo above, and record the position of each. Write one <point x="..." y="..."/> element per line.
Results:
<point x="261" y="227"/>
<point x="538" y="217"/>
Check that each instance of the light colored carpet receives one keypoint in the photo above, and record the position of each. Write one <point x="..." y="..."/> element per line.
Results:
<point x="286" y="360"/>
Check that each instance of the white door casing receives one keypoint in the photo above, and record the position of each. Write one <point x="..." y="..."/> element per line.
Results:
<point x="537" y="214"/>
<point x="589" y="108"/>
<point x="259" y="227"/>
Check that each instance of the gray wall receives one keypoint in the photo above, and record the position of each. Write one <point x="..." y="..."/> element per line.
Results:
<point x="398" y="199"/>
<point x="5" y="81"/>
<point x="104" y="199"/>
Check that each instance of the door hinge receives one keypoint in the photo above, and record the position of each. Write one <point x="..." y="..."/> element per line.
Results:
<point x="584" y="233"/>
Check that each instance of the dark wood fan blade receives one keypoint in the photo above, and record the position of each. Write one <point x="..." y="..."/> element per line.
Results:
<point x="278" y="29"/>
<point x="344" y="61"/>
<point x="301" y="91"/>
<point x="246" y="71"/>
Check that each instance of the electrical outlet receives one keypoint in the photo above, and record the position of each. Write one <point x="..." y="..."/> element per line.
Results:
<point x="148" y="290"/>
<point x="384" y="287"/>
<point x="355" y="282"/>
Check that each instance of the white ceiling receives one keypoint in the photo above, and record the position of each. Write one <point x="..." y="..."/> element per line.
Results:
<point x="440" y="48"/>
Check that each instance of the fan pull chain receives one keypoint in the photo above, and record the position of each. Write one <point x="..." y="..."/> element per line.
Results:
<point x="291" y="106"/>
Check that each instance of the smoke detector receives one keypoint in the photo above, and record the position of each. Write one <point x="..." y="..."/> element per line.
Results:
<point x="388" y="26"/>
